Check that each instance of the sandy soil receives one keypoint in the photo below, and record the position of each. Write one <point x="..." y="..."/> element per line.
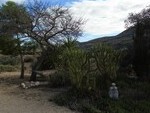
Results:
<point x="14" y="99"/>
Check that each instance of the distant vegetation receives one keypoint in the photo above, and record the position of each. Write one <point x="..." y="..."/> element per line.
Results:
<point x="8" y="63"/>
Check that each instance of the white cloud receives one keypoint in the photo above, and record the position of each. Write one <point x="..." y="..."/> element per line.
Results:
<point x="106" y="17"/>
<point x="18" y="1"/>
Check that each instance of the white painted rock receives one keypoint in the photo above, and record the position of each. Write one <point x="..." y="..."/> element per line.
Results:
<point x="23" y="85"/>
<point x="113" y="91"/>
<point x="27" y="85"/>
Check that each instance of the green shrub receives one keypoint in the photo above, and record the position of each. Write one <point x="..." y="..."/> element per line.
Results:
<point x="128" y="101"/>
<point x="91" y="70"/>
<point x="59" y="79"/>
<point x="8" y="68"/>
<point x="107" y="63"/>
<point x="61" y="100"/>
<point x="9" y="60"/>
<point x="89" y="109"/>
<point x="76" y="62"/>
<point x="134" y="97"/>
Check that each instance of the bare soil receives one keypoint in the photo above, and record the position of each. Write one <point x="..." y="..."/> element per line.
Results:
<point x="14" y="99"/>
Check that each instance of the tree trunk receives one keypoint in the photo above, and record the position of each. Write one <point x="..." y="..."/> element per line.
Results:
<point x="22" y="66"/>
<point x="36" y="66"/>
<point x="40" y="61"/>
<point x="33" y="76"/>
<point x="21" y="58"/>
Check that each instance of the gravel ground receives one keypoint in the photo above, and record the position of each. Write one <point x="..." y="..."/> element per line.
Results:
<point x="14" y="99"/>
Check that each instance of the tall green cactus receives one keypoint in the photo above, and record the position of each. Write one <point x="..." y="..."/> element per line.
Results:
<point x="77" y="62"/>
<point x="106" y="60"/>
<point x="82" y="66"/>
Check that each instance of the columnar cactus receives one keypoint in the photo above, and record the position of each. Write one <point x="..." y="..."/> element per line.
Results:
<point x="107" y="60"/>
<point x="76" y="60"/>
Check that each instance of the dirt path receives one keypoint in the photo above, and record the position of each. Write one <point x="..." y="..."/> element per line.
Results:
<point x="13" y="99"/>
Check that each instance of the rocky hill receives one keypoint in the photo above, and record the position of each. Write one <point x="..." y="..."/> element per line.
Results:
<point x="124" y="39"/>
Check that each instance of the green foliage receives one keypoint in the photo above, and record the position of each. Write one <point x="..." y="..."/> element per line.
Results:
<point x="130" y="100"/>
<point x="59" y="79"/>
<point x="134" y="95"/>
<point x="8" y="68"/>
<point x="14" y="21"/>
<point x="15" y="18"/>
<point x="58" y="55"/>
<point x="75" y="62"/>
<point x="8" y="63"/>
<point x="72" y="65"/>
<point x="29" y="47"/>
<point x="8" y="45"/>
<point x="90" y="70"/>
<point x="9" y="60"/>
<point x="107" y="62"/>
<point x="86" y="108"/>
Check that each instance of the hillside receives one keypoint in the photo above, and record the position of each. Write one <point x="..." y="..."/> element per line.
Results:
<point x="124" y="39"/>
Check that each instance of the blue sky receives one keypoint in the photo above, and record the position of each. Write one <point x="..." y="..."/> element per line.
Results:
<point x="104" y="17"/>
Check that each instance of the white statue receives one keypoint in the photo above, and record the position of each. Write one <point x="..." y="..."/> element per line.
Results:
<point x="113" y="91"/>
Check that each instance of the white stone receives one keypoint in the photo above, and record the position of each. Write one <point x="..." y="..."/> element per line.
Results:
<point x="37" y="83"/>
<point x="23" y="85"/>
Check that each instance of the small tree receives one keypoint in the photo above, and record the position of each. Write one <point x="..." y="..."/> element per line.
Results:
<point x="14" y="20"/>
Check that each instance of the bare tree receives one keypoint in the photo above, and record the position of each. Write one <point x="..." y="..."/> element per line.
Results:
<point x="50" y="25"/>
